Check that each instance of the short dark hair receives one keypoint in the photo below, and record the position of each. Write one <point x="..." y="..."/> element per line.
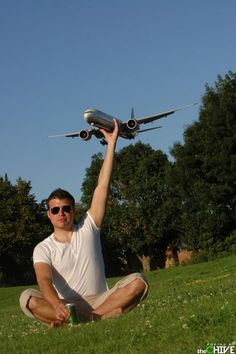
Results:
<point x="60" y="194"/>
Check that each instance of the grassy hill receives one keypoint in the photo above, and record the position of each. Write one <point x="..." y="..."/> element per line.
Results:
<point x="187" y="308"/>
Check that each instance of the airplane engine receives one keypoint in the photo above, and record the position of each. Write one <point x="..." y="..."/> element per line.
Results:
<point x="132" y="124"/>
<point x="85" y="135"/>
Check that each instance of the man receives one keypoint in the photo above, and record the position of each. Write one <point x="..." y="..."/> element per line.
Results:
<point x="69" y="264"/>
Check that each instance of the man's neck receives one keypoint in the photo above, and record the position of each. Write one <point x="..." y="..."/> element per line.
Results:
<point x="62" y="235"/>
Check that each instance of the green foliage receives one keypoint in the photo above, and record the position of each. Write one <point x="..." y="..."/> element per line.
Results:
<point x="22" y="225"/>
<point x="205" y="170"/>
<point x="141" y="198"/>
<point x="187" y="307"/>
<point x="91" y="179"/>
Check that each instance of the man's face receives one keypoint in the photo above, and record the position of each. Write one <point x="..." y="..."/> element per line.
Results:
<point x="61" y="214"/>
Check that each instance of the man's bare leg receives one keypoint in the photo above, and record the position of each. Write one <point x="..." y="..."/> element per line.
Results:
<point x="43" y="311"/>
<point x="122" y="300"/>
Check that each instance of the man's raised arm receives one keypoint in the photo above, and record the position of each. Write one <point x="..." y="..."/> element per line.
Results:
<point x="100" y="196"/>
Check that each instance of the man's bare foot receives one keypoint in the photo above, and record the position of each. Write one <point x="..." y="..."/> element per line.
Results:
<point x="113" y="313"/>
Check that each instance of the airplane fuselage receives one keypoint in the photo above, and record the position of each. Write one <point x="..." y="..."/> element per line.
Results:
<point x="99" y="119"/>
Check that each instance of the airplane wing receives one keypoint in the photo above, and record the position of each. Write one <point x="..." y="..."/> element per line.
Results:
<point x="146" y="130"/>
<point x="69" y="135"/>
<point x="80" y="134"/>
<point x="149" y="119"/>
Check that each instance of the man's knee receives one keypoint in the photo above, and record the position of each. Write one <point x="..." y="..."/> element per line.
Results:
<point x="33" y="303"/>
<point x="29" y="296"/>
<point x="137" y="287"/>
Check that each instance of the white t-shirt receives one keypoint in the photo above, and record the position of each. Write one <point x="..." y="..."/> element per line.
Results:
<point x="78" y="266"/>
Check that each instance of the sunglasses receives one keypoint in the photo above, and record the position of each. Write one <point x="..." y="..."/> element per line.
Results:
<point x="65" y="208"/>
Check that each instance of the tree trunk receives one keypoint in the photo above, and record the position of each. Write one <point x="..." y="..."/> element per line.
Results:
<point x="146" y="262"/>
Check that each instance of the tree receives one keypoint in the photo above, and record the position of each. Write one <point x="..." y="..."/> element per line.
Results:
<point x="22" y="225"/>
<point x="205" y="169"/>
<point x="144" y="223"/>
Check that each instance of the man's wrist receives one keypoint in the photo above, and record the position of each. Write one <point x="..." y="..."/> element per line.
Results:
<point x="111" y="145"/>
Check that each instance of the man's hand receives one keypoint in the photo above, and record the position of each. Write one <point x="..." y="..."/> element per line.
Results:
<point x="61" y="311"/>
<point x="111" y="137"/>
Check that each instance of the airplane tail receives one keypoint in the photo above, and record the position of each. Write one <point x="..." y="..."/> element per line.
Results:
<point x="132" y="113"/>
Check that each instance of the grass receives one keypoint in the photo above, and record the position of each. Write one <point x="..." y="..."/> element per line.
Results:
<point x="187" y="308"/>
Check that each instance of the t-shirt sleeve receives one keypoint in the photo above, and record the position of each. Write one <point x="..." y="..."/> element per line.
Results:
<point x="41" y="253"/>
<point x="89" y="221"/>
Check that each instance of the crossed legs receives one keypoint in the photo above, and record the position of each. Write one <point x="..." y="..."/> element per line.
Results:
<point x="122" y="300"/>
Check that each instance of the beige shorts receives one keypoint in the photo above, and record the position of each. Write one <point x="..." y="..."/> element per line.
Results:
<point x="86" y="304"/>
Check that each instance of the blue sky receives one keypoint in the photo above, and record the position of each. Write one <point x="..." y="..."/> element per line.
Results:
<point x="60" y="57"/>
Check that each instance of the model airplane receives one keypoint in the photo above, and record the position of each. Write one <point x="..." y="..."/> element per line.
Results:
<point x="128" y="129"/>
